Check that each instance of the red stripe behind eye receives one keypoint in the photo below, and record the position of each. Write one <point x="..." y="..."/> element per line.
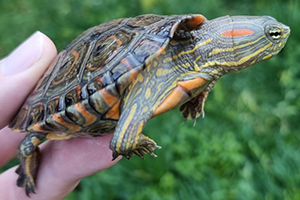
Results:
<point x="237" y="33"/>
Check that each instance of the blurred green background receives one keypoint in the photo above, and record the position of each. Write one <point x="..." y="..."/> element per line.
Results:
<point x="246" y="147"/>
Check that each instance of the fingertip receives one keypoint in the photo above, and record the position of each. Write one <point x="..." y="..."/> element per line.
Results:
<point x="29" y="52"/>
<point x="49" y="49"/>
<point x="49" y="52"/>
<point x="20" y="72"/>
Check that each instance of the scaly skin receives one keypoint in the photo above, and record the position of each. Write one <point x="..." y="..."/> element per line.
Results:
<point x="218" y="47"/>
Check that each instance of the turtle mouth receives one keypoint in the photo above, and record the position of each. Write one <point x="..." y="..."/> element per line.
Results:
<point x="286" y="32"/>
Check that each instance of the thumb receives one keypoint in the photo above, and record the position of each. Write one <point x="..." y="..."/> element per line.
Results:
<point x="20" y="71"/>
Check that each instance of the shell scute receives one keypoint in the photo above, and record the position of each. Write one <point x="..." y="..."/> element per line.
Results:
<point x="94" y="87"/>
<point x="52" y="105"/>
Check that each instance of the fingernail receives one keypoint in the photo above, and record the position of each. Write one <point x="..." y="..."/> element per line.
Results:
<point x="24" y="56"/>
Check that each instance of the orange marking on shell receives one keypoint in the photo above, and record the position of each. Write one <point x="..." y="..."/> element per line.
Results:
<point x="109" y="99"/>
<point x="133" y="75"/>
<point x="114" y="113"/>
<point x="37" y="127"/>
<point x="161" y="49"/>
<point x="237" y="33"/>
<point x="196" y="21"/>
<point x="99" y="80"/>
<point x="76" y="55"/>
<point x="40" y="105"/>
<point x="89" y="117"/>
<point x="191" y="84"/>
<point x="78" y="90"/>
<point x="71" y="127"/>
<point x="125" y="62"/>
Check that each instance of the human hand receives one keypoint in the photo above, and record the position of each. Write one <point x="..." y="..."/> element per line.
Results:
<point x="63" y="163"/>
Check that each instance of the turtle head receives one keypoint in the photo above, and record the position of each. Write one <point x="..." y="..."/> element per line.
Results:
<point x="254" y="38"/>
<point x="237" y="42"/>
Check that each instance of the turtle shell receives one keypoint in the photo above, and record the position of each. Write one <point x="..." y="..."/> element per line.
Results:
<point x="82" y="89"/>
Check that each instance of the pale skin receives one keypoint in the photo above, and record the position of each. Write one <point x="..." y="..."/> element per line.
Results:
<point x="63" y="163"/>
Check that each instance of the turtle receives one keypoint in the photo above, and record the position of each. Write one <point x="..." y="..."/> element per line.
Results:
<point x="116" y="76"/>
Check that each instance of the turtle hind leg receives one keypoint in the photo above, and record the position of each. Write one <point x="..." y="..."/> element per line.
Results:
<point x="29" y="156"/>
<point x="195" y="107"/>
<point x="141" y="145"/>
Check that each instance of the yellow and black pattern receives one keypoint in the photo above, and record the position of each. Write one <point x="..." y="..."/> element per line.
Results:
<point x="118" y="75"/>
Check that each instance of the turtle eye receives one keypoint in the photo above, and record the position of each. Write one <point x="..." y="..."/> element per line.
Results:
<point x="275" y="33"/>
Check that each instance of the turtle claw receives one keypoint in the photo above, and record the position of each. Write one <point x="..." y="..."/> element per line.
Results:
<point x="24" y="181"/>
<point x="29" y="188"/>
<point x="148" y="149"/>
<point x="203" y="113"/>
<point x="143" y="145"/>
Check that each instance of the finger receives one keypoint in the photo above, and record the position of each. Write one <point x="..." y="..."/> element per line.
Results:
<point x="20" y="71"/>
<point x="89" y="155"/>
<point x="9" y="142"/>
<point x="63" y="164"/>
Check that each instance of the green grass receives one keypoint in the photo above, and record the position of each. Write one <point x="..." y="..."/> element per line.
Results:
<point x="247" y="146"/>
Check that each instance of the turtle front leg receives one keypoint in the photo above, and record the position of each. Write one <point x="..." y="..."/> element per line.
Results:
<point x="128" y="139"/>
<point x="28" y="154"/>
<point x="140" y="145"/>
